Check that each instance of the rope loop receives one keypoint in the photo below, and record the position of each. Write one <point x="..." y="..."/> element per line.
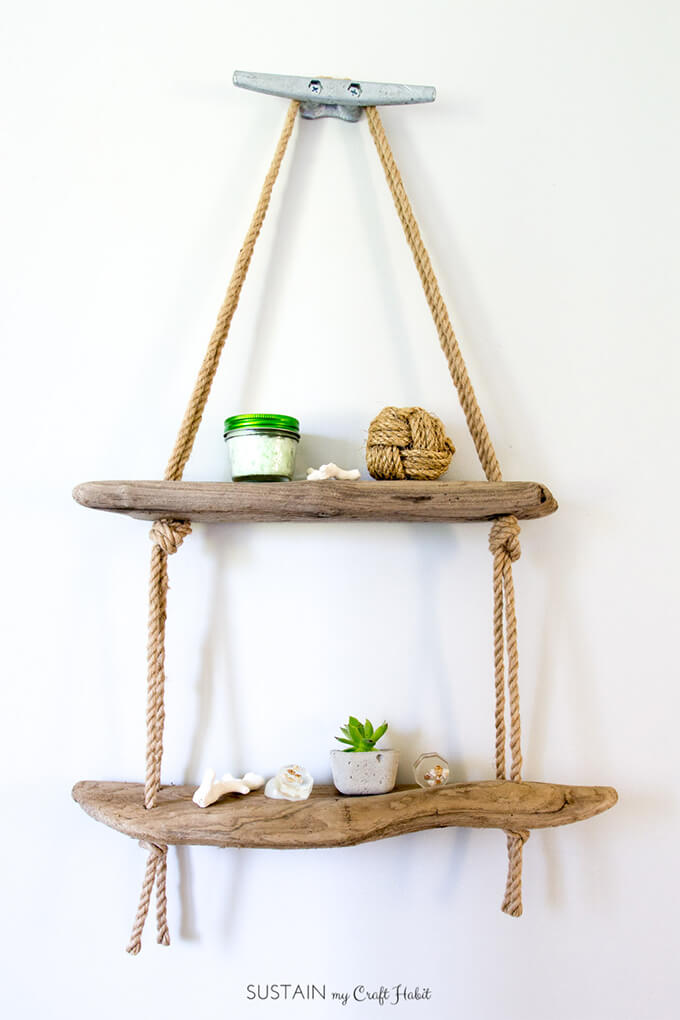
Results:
<point x="169" y="534"/>
<point x="504" y="538"/>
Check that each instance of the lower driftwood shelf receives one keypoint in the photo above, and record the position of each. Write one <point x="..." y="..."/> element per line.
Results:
<point x="329" y="819"/>
<point x="318" y="501"/>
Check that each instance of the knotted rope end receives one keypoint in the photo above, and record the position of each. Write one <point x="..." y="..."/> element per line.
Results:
<point x="504" y="538"/>
<point x="512" y="900"/>
<point x="169" y="534"/>
<point x="156" y="865"/>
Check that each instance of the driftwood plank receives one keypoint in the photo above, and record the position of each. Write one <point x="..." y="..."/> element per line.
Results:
<point x="329" y="819"/>
<point x="309" y="501"/>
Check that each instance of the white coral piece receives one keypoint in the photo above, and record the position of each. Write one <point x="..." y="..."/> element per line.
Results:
<point x="331" y="471"/>
<point x="292" y="782"/>
<point x="211" y="789"/>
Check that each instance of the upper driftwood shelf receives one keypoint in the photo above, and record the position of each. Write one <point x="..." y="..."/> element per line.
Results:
<point x="328" y="819"/>
<point x="312" y="501"/>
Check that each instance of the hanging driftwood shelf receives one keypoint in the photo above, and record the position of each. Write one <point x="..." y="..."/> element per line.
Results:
<point x="313" y="501"/>
<point x="328" y="819"/>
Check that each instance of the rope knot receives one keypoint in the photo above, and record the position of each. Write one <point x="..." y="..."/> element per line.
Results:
<point x="519" y="834"/>
<point x="504" y="537"/>
<point x="169" y="534"/>
<point x="407" y="442"/>
<point x="154" y="849"/>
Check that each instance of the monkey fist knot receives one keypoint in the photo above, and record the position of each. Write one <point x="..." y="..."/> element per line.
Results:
<point x="407" y="442"/>
<point x="169" y="535"/>
<point x="504" y="537"/>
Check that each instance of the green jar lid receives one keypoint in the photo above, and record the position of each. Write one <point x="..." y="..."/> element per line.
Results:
<point x="262" y="421"/>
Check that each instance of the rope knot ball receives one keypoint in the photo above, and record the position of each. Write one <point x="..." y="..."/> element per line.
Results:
<point x="407" y="442"/>
<point x="504" y="537"/>
<point x="169" y="535"/>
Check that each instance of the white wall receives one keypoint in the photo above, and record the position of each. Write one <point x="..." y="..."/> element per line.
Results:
<point x="545" y="178"/>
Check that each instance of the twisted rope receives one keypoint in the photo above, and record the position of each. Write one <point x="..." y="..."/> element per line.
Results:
<point x="512" y="900"/>
<point x="504" y="535"/>
<point x="163" y="936"/>
<point x="447" y="337"/>
<point x="156" y="865"/>
<point x="194" y="412"/>
<point x="167" y="537"/>
<point x="505" y="548"/>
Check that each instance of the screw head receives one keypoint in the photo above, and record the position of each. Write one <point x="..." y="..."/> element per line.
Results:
<point x="354" y="88"/>
<point x="314" y="86"/>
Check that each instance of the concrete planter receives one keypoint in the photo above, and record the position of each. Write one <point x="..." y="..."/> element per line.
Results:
<point x="361" y="772"/>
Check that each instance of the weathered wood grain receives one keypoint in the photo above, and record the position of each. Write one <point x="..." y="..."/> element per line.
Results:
<point x="328" y="819"/>
<point x="311" y="501"/>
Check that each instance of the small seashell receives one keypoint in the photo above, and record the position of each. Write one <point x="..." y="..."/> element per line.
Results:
<point x="292" y="782"/>
<point x="331" y="471"/>
<point x="211" y="789"/>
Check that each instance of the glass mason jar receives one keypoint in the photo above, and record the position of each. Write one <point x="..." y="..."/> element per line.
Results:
<point x="262" y="447"/>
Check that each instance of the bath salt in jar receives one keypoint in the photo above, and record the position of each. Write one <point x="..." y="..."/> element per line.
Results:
<point x="262" y="447"/>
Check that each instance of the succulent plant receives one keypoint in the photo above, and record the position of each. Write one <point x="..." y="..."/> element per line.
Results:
<point x="360" y="736"/>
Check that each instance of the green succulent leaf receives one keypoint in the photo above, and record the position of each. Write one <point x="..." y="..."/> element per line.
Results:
<point x="360" y="736"/>
<point x="355" y="735"/>
<point x="380" y="732"/>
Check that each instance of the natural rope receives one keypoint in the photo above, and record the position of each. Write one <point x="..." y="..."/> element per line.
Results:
<point x="503" y="539"/>
<point x="163" y="936"/>
<point x="196" y="406"/>
<point x="407" y="442"/>
<point x="505" y="547"/>
<point x="512" y="900"/>
<point x="167" y="536"/>
<point x="156" y="864"/>
<point x="447" y="337"/>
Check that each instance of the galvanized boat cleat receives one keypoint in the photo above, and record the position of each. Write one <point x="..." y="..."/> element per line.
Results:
<point x="333" y="97"/>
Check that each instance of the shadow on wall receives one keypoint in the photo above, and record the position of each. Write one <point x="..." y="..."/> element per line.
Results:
<point x="562" y="633"/>
<point x="222" y="547"/>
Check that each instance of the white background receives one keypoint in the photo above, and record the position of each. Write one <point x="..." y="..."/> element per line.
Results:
<point x="545" y="178"/>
